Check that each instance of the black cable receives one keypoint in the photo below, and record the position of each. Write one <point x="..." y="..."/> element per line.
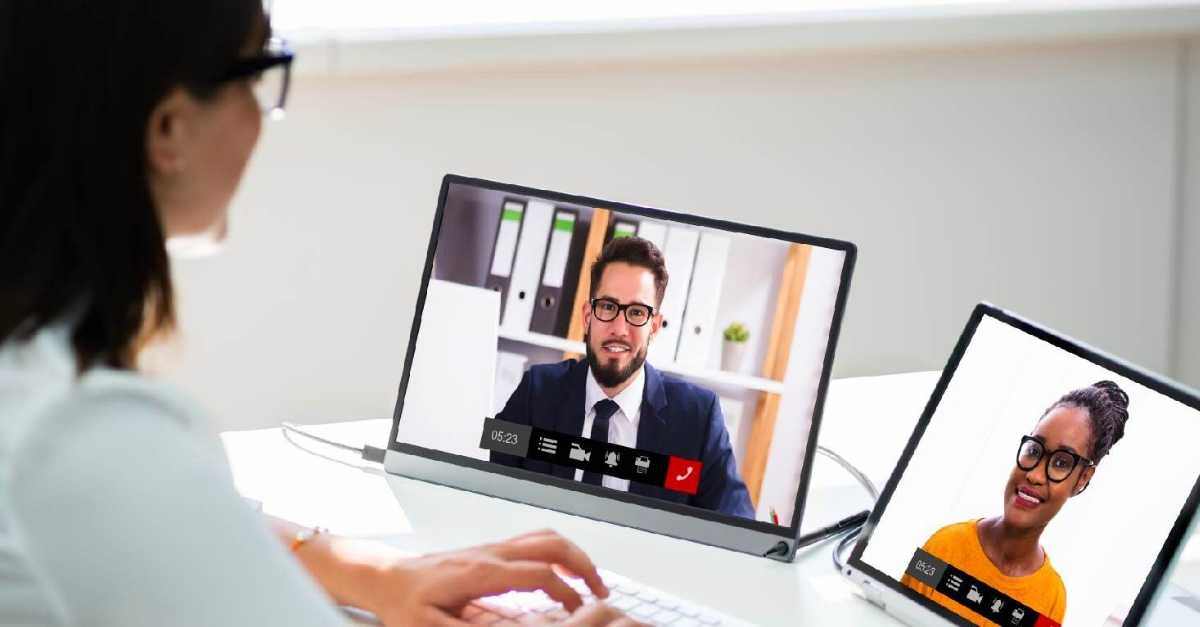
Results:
<point x="367" y="452"/>
<point x="842" y="526"/>
<point x="853" y="470"/>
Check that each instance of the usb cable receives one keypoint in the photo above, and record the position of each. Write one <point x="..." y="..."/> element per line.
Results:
<point x="367" y="452"/>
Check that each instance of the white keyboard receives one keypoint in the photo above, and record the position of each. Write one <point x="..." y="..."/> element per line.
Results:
<point x="639" y="601"/>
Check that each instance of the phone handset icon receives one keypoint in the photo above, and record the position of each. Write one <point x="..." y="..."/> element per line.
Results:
<point x="685" y="474"/>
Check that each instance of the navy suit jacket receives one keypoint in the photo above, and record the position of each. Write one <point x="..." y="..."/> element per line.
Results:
<point x="677" y="418"/>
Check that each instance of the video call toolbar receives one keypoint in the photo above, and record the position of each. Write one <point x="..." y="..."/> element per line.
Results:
<point x="665" y="471"/>
<point x="973" y="594"/>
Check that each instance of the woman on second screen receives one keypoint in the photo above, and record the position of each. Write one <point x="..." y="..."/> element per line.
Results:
<point x="1054" y="463"/>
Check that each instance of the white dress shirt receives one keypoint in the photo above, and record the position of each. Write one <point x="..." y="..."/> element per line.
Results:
<point x="622" y="426"/>
<point x="117" y="507"/>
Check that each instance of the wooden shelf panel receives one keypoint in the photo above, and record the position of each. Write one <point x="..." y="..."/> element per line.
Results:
<point x="718" y="377"/>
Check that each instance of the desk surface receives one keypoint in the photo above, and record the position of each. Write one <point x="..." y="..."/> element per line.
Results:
<point x="425" y="517"/>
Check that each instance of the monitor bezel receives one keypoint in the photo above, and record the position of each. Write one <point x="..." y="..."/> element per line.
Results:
<point x="1150" y="380"/>
<point x="787" y="534"/>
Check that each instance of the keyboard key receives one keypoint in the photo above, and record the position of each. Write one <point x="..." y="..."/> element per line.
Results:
<point x="647" y="595"/>
<point x="688" y="610"/>
<point x="686" y="622"/>
<point x="612" y="579"/>
<point x="670" y="604"/>
<point x="644" y="611"/>
<point x="541" y="603"/>
<point x="709" y="619"/>
<point x="627" y="586"/>
<point x="625" y="603"/>
<point x="665" y="617"/>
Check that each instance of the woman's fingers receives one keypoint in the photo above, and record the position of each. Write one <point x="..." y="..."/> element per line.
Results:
<point x="490" y="576"/>
<point x="550" y="547"/>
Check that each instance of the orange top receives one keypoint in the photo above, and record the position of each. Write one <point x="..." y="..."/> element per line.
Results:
<point x="958" y="545"/>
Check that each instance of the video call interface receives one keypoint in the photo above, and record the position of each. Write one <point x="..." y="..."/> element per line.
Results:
<point x="1041" y="491"/>
<point x="630" y="353"/>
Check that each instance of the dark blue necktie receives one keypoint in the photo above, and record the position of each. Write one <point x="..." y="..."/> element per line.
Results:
<point x="604" y="411"/>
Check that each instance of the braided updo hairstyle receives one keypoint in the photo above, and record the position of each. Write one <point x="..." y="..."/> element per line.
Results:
<point x="1108" y="408"/>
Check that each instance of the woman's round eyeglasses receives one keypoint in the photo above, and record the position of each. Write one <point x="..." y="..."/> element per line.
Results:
<point x="607" y="310"/>
<point x="1060" y="463"/>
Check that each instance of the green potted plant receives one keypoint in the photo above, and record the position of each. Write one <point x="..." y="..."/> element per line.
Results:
<point x="733" y="350"/>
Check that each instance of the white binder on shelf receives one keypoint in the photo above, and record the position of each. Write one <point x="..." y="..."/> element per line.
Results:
<point x="700" y="316"/>
<point x="653" y="232"/>
<point x="679" y="251"/>
<point x="510" y="367"/>
<point x="624" y="227"/>
<point x="505" y="248"/>
<point x="527" y="267"/>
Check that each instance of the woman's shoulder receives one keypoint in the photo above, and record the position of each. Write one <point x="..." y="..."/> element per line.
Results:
<point x="1053" y="590"/>
<point x="43" y="398"/>
<point x="954" y="541"/>
<point x="957" y="532"/>
<point x="1052" y="580"/>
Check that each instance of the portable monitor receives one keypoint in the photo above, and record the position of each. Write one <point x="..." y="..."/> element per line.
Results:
<point x="1046" y="484"/>
<point x="652" y="369"/>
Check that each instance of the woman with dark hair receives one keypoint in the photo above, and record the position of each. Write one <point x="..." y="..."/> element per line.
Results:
<point x="125" y="126"/>
<point x="1054" y="463"/>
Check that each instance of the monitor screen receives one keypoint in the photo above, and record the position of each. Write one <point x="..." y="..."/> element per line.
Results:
<point x="1041" y="489"/>
<point x="655" y="356"/>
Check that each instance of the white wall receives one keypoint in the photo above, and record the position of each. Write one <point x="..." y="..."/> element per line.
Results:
<point x="1038" y="177"/>
<point x="1187" y="345"/>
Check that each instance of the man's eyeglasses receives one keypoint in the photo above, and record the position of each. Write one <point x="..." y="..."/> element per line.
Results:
<point x="272" y="74"/>
<point x="607" y="310"/>
<point x="1059" y="465"/>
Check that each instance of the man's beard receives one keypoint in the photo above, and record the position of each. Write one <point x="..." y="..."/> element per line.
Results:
<point x="612" y="375"/>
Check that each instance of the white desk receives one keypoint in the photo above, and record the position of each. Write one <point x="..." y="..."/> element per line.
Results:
<point x="867" y="420"/>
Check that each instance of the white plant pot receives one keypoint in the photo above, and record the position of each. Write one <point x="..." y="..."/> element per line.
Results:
<point x="732" y="356"/>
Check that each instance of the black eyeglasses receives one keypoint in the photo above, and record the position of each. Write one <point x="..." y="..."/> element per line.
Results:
<point x="1059" y="465"/>
<point x="272" y="74"/>
<point x="607" y="310"/>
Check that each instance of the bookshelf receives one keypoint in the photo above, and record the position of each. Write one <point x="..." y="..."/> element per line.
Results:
<point x="718" y="377"/>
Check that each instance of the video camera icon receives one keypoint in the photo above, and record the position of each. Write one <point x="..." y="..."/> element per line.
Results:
<point x="578" y="453"/>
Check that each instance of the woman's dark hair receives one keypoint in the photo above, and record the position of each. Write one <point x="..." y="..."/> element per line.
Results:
<point x="634" y="251"/>
<point x="79" y="232"/>
<point x="1107" y="406"/>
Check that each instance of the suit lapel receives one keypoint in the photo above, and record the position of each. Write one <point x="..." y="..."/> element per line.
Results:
<point x="653" y="433"/>
<point x="652" y="425"/>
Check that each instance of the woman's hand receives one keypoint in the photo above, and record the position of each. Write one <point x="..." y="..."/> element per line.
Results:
<point x="433" y="590"/>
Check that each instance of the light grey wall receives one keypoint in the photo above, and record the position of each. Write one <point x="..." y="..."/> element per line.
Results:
<point x="1187" y="345"/>
<point x="1042" y="178"/>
